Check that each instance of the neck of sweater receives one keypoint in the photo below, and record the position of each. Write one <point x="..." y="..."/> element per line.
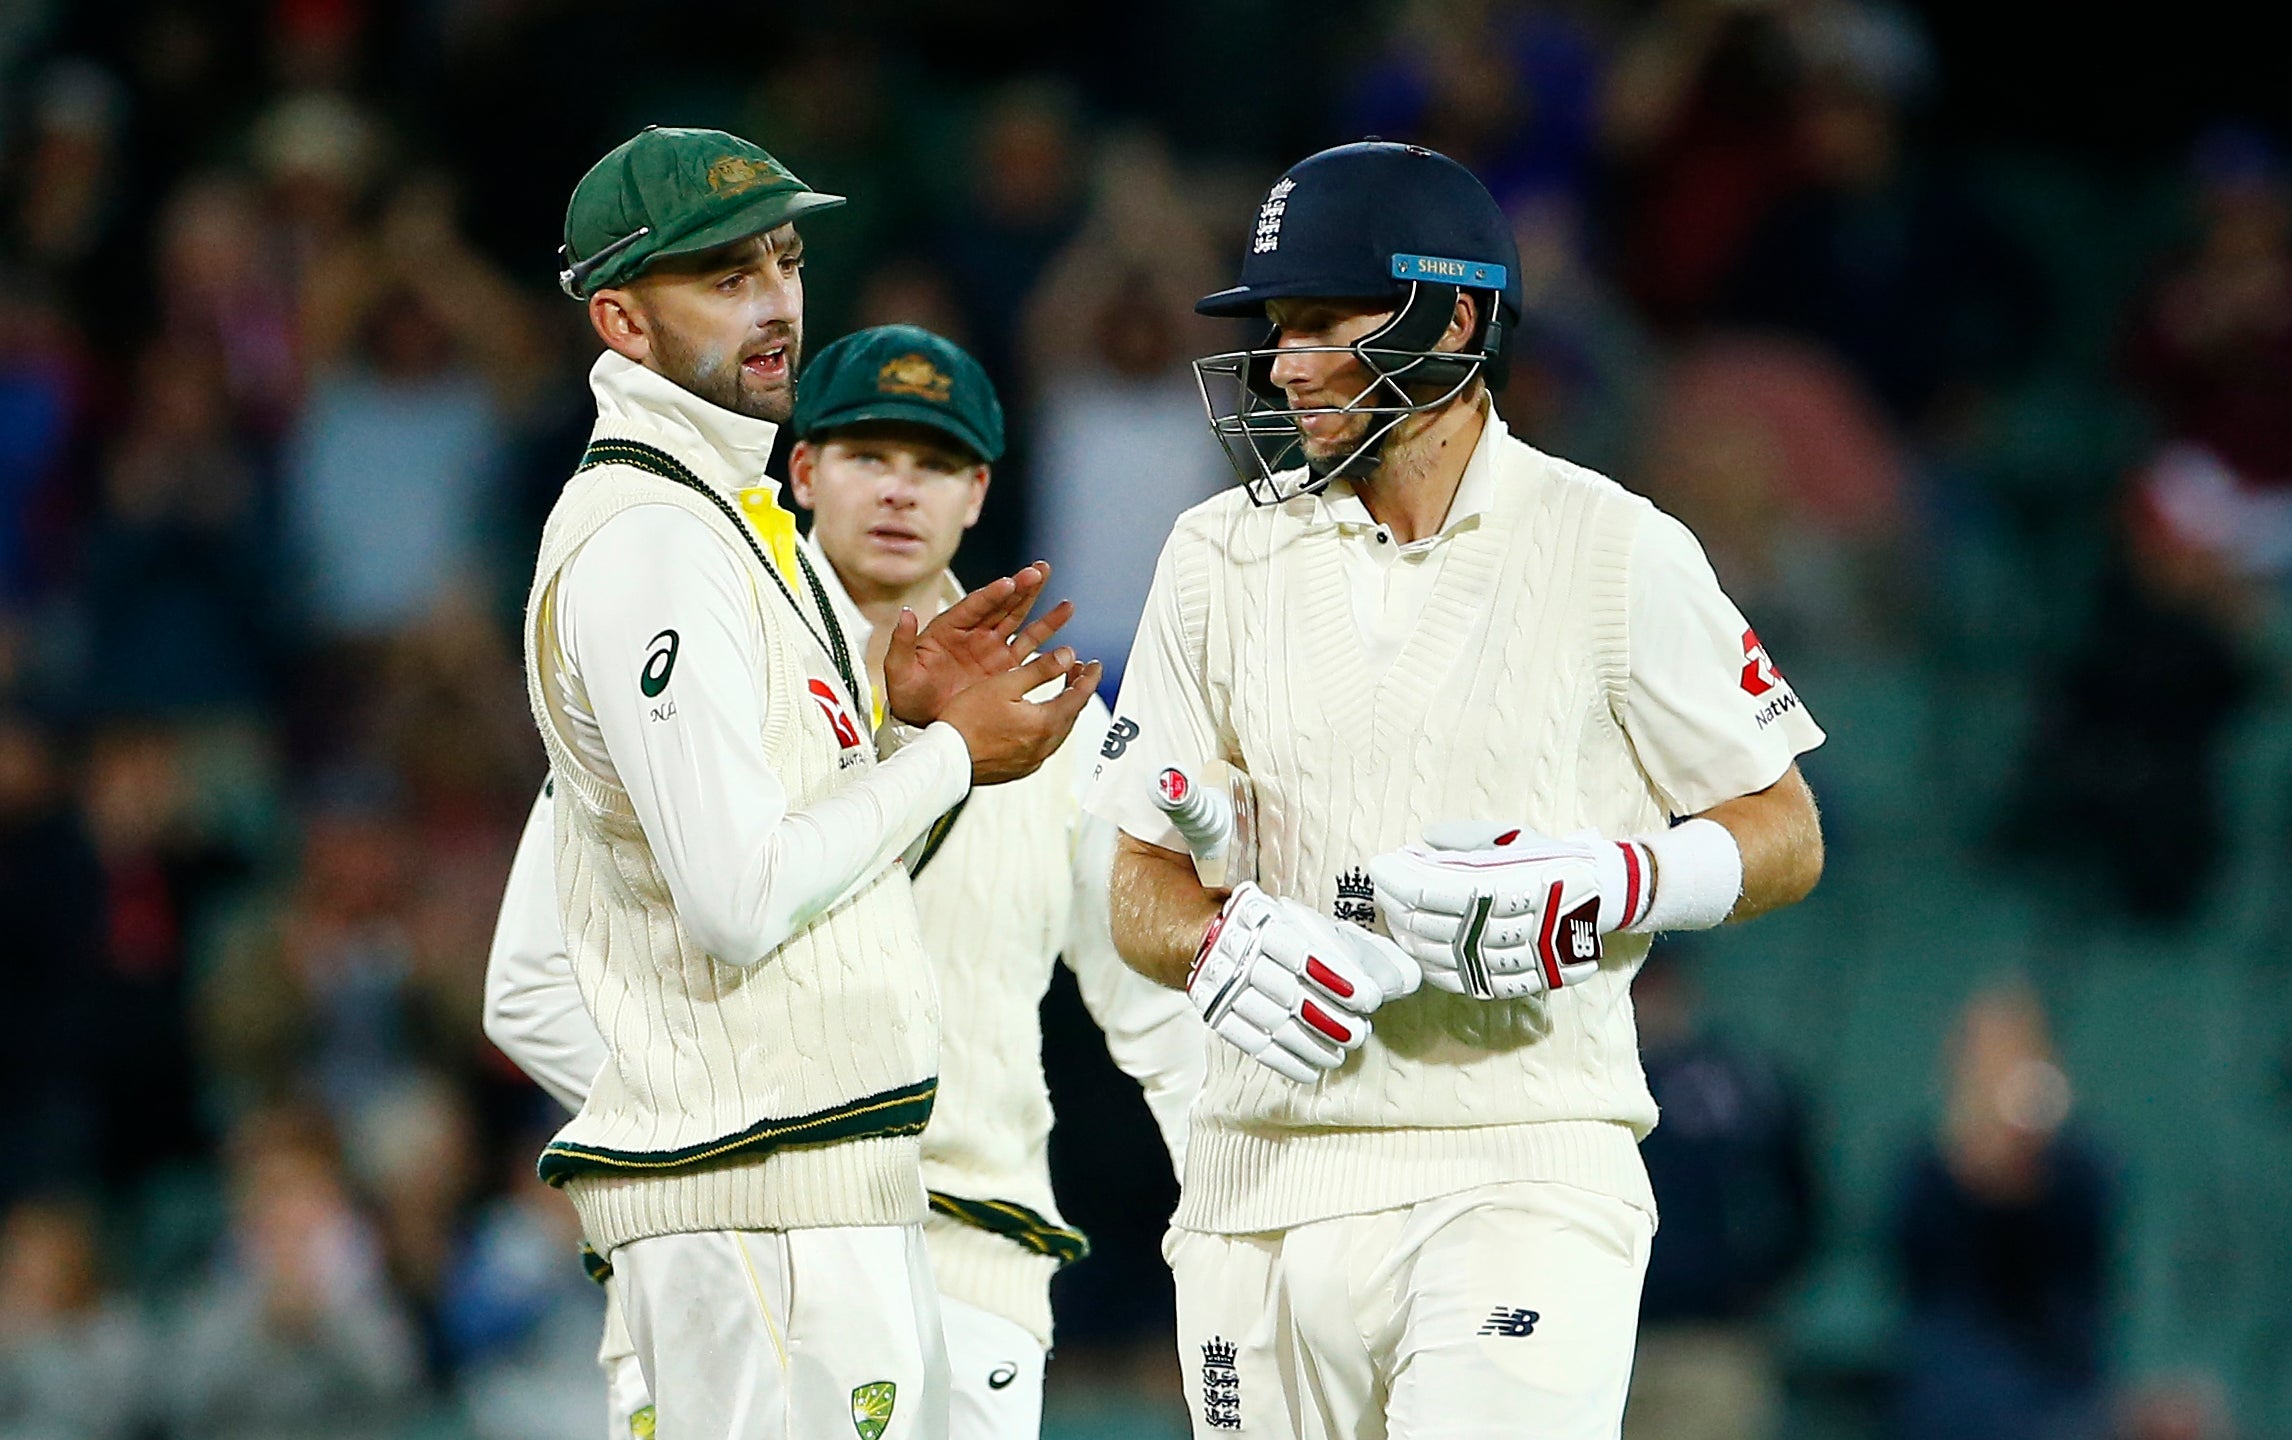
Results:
<point x="1415" y="482"/>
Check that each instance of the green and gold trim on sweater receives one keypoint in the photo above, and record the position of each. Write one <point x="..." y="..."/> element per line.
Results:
<point x="594" y="1265"/>
<point x="1016" y="1223"/>
<point x="893" y="1112"/>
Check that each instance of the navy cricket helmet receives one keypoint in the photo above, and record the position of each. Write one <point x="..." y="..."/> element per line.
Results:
<point x="1374" y="221"/>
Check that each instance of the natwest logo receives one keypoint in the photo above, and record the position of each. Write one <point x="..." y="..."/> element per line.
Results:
<point x="1759" y="672"/>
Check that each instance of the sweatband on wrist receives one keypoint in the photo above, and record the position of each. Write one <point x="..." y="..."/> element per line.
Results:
<point x="1698" y="877"/>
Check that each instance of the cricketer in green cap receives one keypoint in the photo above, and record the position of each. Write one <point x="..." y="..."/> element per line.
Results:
<point x="683" y="243"/>
<point x="896" y="429"/>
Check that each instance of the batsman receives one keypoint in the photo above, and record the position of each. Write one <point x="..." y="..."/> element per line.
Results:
<point x="1499" y="724"/>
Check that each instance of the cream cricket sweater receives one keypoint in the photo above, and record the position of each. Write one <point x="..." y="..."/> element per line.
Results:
<point x="998" y="905"/>
<point x="1502" y="703"/>
<point x="777" y="1096"/>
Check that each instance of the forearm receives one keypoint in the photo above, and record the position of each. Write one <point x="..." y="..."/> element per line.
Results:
<point x="1779" y="832"/>
<point x="533" y="1008"/>
<point x="1158" y="911"/>
<point x="1152" y="1033"/>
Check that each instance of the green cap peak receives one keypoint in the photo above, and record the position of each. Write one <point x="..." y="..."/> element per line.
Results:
<point x="673" y="192"/>
<point x="903" y="373"/>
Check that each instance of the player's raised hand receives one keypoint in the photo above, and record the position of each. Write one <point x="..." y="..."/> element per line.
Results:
<point x="1291" y="987"/>
<point x="980" y="636"/>
<point x="1009" y="735"/>
<point x="1498" y="911"/>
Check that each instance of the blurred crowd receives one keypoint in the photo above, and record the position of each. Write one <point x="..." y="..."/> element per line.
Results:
<point x="285" y="388"/>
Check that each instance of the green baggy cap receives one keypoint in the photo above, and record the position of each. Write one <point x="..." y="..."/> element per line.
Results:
<point x="673" y="192"/>
<point x="901" y="372"/>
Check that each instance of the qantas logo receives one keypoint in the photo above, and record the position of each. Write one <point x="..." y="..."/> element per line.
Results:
<point x="839" y="719"/>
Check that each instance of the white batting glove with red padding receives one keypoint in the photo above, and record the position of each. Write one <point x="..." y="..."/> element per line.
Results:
<point x="1291" y="987"/>
<point x="1499" y="912"/>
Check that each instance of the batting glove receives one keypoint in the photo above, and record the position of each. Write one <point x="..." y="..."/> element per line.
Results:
<point x="1288" y="985"/>
<point x="1498" y="912"/>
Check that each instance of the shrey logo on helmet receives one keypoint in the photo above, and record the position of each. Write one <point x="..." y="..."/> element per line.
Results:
<point x="1375" y="222"/>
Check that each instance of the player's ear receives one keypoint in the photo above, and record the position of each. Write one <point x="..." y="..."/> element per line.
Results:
<point x="620" y="322"/>
<point x="981" y="474"/>
<point x="803" y="468"/>
<point x="1462" y="321"/>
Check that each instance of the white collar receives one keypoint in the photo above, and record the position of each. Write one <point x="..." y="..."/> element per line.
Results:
<point x="1475" y="490"/>
<point x="857" y="631"/>
<point x="726" y="449"/>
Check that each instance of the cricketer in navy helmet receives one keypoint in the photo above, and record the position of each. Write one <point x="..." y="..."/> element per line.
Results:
<point x="1501" y="725"/>
<point x="728" y="832"/>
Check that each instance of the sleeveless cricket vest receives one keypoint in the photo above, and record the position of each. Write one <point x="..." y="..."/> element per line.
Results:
<point x="995" y="904"/>
<point x="785" y="1095"/>
<point x="995" y="898"/>
<point x="1502" y="705"/>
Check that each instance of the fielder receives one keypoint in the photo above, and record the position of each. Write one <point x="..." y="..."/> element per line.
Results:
<point x="726" y="834"/>
<point x="897" y="432"/>
<point x="1501" y="725"/>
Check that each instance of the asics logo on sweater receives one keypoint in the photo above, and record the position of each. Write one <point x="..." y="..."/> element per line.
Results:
<point x="660" y="660"/>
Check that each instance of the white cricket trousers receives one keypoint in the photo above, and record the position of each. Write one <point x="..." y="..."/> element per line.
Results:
<point x="1498" y="1312"/>
<point x="783" y="1335"/>
<point x="995" y="1364"/>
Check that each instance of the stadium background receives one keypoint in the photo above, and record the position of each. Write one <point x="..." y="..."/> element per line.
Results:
<point x="1963" y="338"/>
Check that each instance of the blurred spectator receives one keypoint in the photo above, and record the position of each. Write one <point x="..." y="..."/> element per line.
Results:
<point x="1891" y="266"/>
<point x="909" y="290"/>
<point x="43" y="393"/>
<point x="1734" y="1180"/>
<point x="2132" y="724"/>
<point x="450" y="722"/>
<point x="1022" y="207"/>
<point x="2003" y="1233"/>
<point x="1697" y="118"/>
<point x="319" y="156"/>
<point x="2175" y="1407"/>
<point x="518" y="1316"/>
<point x="414" y="1157"/>
<point x="51" y="891"/>
<point x="2211" y="348"/>
<point x="1581" y="363"/>
<point x="1706" y="112"/>
<point x="295" y="1333"/>
<point x="313" y="994"/>
<point x="1510" y="91"/>
<point x="1121" y="442"/>
<point x="69" y="189"/>
<point x="75" y="1358"/>
<point x="161" y="875"/>
<point x="225" y="287"/>
<point x="177" y="577"/>
<point x="1771" y="453"/>
<point x="830" y="111"/>
<point x="421" y="359"/>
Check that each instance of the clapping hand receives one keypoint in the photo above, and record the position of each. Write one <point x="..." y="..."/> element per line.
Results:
<point x="981" y="636"/>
